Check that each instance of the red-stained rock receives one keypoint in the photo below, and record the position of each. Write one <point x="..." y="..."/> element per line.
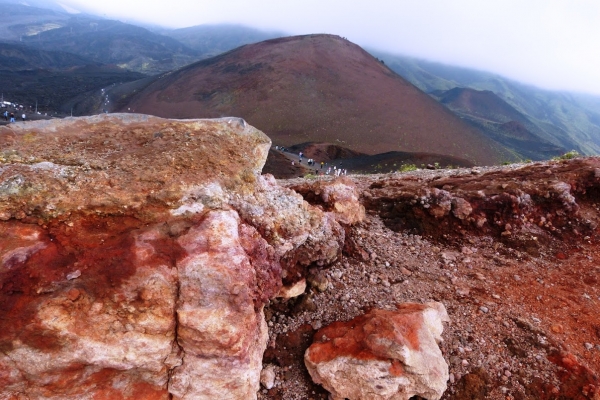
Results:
<point x="382" y="354"/>
<point x="577" y="380"/>
<point x="137" y="253"/>
<point x="217" y="320"/>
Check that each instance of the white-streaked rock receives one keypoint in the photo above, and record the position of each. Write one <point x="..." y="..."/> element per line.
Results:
<point x="382" y="355"/>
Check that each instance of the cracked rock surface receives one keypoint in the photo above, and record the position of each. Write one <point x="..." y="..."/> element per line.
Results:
<point x="137" y="254"/>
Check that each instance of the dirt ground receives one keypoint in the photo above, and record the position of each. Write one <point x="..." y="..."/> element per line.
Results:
<point x="523" y="306"/>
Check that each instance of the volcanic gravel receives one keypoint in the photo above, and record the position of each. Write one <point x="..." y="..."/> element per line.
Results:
<point x="513" y="314"/>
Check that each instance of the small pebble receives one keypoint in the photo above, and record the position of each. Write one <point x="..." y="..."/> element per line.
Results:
<point x="74" y="275"/>
<point x="267" y="376"/>
<point x="588" y="346"/>
<point x="484" y="309"/>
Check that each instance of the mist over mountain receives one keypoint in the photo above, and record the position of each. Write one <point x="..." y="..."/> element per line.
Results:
<point x="211" y="40"/>
<point x="46" y="46"/>
<point x="97" y="39"/>
<point x="114" y="42"/>
<point x="567" y="120"/>
<point x="21" y="19"/>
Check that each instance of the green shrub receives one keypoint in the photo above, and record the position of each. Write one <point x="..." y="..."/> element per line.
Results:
<point x="407" y="168"/>
<point x="568" y="155"/>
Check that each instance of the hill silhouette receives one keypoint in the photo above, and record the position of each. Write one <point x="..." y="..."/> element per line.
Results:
<point x="318" y="88"/>
<point x="21" y="19"/>
<point x="211" y="40"/>
<point x="481" y="103"/>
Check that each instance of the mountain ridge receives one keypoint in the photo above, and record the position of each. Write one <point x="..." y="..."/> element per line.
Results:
<point x="316" y="88"/>
<point x="567" y="120"/>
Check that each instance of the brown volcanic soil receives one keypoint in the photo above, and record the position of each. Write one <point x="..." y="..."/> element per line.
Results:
<point x="318" y="88"/>
<point x="279" y="163"/>
<point x="482" y="103"/>
<point x="325" y="151"/>
<point x="500" y="121"/>
<point x="522" y="290"/>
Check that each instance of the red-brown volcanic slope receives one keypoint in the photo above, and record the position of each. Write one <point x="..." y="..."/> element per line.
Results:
<point x="481" y="103"/>
<point x="316" y="88"/>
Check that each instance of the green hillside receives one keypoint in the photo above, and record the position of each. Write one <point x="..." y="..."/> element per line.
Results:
<point x="567" y="120"/>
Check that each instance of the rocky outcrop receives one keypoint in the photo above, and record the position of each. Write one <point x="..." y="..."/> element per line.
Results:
<point x="513" y="202"/>
<point x="339" y="196"/>
<point x="382" y="354"/>
<point x="137" y="254"/>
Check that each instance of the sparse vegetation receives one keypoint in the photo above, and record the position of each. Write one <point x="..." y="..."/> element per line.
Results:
<point x="408" y="168"/>
<point x="568" y="155"/>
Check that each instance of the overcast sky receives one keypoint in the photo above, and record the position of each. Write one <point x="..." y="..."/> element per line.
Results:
<point x="553" y="44"/>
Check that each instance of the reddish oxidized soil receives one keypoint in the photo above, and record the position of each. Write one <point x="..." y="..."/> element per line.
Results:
<point x="522" y="301"/>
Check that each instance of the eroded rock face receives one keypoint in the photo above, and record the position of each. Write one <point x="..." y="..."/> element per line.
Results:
<point x="137" y="253"/>
<point x="338" y="196"/>
<point x="513" y="202"/>
<point x="382" y="354"/>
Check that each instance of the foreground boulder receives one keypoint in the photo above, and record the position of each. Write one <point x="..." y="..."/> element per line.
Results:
<point x="137" y="253"/>
<point x="383" y="354"/>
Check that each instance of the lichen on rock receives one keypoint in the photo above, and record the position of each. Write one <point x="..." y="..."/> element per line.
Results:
<point x="137" y="254"/>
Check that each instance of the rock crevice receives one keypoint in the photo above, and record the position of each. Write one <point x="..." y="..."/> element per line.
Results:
<point x="138" y="254"/>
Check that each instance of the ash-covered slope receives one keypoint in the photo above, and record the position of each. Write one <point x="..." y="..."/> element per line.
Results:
<point x="318" y="88"/>
<point x="500" y="121"/>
